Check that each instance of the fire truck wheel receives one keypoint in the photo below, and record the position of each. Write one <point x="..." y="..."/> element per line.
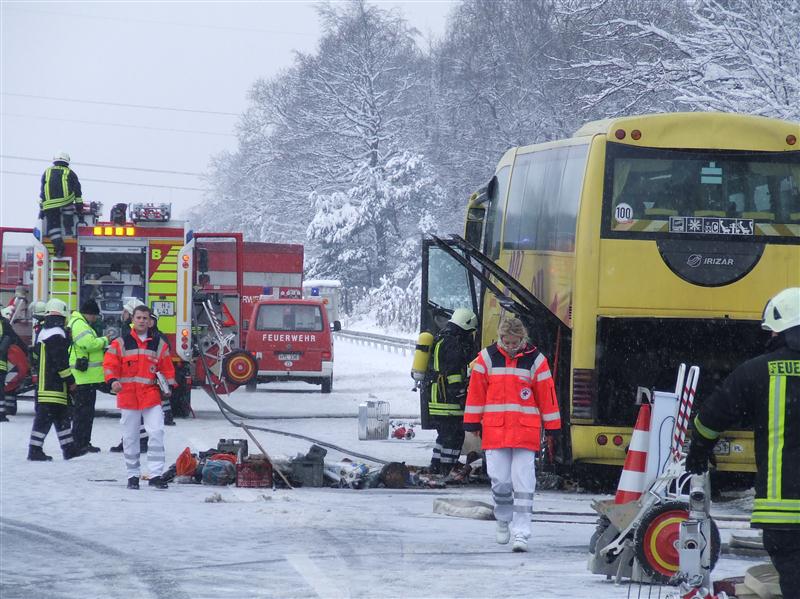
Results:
<point x="327" y="384"/>
<point x="656" y="540"/>
<point x="239" y="367"/>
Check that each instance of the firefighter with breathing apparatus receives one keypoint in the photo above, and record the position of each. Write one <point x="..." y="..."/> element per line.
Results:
<point x="445" y="387"/>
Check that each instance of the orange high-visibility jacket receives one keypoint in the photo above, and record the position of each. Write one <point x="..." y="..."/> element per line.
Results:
<point x="134" y="363"/>
<point x="509" y="398"/>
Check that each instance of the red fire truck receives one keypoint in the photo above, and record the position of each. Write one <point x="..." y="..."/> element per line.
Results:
<point x="195" y="282"/>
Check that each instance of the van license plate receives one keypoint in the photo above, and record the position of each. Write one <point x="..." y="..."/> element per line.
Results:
<point x="288" y="356"/>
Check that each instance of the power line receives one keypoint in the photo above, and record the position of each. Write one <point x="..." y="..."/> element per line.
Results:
<point x="124" y="168"/>
<point x="106" y="124"/>
<point x="119" y="104"/>
<point x="114" y="182"/>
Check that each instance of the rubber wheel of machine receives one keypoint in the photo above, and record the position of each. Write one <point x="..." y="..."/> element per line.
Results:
<point x="239" y="367"/>
<point x="327" y="384"/>
<point x="656" y="539"/>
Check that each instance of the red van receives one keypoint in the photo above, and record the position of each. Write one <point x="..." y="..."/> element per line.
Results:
<point x="291" y="341"/>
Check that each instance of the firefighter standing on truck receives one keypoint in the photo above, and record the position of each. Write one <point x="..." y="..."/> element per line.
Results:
<point x="55" y="383"/>
<point x="86" y="362"/>
<point x="60" y="199"/>
<point x="130" y="367"/>
<point x="766" y="388"/>
<point x="446" y="387"/>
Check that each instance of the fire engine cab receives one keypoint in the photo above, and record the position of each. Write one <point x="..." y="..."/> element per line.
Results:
<point x="142" y="253"/>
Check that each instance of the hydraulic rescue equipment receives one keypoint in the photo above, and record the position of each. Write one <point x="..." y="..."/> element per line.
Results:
<point x="666" y="536"/>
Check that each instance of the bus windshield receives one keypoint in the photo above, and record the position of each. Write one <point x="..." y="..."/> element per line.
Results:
<point x="702" y="192"/>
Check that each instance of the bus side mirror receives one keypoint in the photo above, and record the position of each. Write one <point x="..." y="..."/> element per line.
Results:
<point x="337" y="326"/>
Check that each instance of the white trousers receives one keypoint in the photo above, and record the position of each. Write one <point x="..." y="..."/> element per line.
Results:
<point x="153" y="419"/>
<point x="513" y="474"/>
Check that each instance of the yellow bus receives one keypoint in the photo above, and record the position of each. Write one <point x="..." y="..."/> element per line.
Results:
<point x="654" y="240"/>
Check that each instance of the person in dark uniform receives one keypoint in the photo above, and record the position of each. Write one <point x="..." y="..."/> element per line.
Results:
<point x="767" y="389"/>
<point x="55" y="383"/>
<point x="60" y="199"/>
<point x="446" y="387"/>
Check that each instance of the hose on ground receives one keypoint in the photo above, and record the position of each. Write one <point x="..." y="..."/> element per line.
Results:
<point x="224" y="407"/>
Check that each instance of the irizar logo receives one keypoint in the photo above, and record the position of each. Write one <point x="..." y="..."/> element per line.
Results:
<point x="696" y="260"/>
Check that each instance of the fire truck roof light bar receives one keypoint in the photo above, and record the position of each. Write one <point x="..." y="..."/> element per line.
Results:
<point x="113" y="231"/>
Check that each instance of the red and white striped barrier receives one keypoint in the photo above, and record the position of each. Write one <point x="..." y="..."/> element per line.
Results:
<point x="632" y="479"/>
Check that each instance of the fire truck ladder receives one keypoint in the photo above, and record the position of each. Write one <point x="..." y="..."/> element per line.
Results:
<point x="61" y="276"/>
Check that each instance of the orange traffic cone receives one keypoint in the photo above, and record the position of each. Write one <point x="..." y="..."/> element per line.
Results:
<point x="631" y="481"/>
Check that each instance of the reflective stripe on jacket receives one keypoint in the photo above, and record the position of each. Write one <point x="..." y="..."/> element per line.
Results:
<point x="86" y="344"/>
<point x="767" y="390"/>
<point x="448" y="373"/>
<point x="510" y="397"/>
<point x="54" y="372"/>
<point x="134" y="363"/>
<point x="60" y="187"/>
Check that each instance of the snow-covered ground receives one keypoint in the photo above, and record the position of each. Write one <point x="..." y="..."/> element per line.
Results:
<point x="72" y="529"/>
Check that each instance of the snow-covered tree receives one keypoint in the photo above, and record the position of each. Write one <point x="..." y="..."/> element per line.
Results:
<point x="734" y="56"/>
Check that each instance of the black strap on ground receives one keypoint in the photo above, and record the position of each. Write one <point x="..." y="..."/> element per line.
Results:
<point x="225" y="407"/>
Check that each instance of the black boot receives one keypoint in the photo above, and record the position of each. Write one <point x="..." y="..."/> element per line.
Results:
<point x="37" y="454"/>
<point x="169" y="420"/>
<point x="116" y="448"/>
<point x="74" y="452"/>
<point x="158" y="482"/>
<point x="133" y="482"/>
<point x="11" y="407"/>
<point x="92" y="449"/>
<point x="3" y="418"/>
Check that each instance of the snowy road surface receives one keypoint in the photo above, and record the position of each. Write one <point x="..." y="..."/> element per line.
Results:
<point x="72" y="529"/>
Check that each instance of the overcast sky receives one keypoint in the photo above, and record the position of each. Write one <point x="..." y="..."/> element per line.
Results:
<point x="154" y="86"/>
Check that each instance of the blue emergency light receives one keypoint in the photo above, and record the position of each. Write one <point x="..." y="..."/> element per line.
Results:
<point x="267" y="291"/>
<point x="315" y="292"/>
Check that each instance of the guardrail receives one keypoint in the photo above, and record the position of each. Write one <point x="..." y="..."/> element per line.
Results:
<point x="391" y="344"/>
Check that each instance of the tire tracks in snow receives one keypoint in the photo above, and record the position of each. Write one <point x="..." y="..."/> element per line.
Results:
<point x="105" y="566"/>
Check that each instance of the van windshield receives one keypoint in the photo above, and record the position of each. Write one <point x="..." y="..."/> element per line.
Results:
<point x="289" y="317"/>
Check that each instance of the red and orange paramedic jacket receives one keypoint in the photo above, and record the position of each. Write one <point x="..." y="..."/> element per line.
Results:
<point x="509" y="398"/>
<point x="134" y="363"/>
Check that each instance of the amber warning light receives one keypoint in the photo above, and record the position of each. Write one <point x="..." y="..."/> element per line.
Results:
<point x="115" y="231"/>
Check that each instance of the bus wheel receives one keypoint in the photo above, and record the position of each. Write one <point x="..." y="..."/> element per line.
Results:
<point x="327" y="384"/>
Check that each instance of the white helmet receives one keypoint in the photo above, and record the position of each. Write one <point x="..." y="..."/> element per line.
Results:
<point x="38" y="308"/>
<point x="56" y="306"/>
<point x="61" y="156"/>
<point x="7" y="312"/>
<point x="464" y="318"/>
<point x="132" y="304"/>
<point x="782" y="312"/>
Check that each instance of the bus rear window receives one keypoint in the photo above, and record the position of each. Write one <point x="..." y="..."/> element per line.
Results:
<point x="651" y="190"/>
<point x="289" y="317"/>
